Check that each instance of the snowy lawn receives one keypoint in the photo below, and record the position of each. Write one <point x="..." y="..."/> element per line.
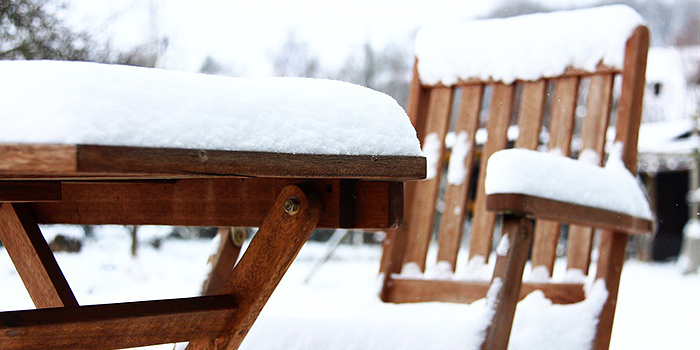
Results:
<point x="657" y="307"/>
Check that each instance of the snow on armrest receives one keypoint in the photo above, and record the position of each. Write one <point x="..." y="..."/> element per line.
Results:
<point x="564" y="179"/>
<point x="48" y="102"/>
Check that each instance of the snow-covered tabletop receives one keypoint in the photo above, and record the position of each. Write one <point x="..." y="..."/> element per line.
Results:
<point x="542" y="44"/>
<point x="76" y="103"/>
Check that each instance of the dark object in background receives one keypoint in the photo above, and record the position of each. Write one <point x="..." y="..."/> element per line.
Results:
<point x="63" y="243"/>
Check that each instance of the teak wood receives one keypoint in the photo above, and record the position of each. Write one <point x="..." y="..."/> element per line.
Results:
<point x="115" y="326"/>
<point x="32" y="258"/>
<point x="544" y="111"/>
<point x="277" y="242"/>
<point x="217" y="201"/>
<point x="506" y="280"/>
<point x="79" y="161"/>
<point x="286" y="195"/>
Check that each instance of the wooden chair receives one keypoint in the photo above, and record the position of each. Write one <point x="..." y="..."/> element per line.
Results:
<point x="521" y="103"/>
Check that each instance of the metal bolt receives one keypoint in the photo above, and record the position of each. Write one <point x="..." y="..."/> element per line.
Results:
<point x="238" y="236"/>
<point x="292" y="205"/>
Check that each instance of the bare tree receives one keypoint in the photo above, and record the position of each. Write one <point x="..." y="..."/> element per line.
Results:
<point x="32" y="29"/>
<point x="294" y="59"/>
<point x="386" y="70"/>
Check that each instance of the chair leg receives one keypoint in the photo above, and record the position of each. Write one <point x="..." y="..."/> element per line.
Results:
<point x="286" y="227"/>
<point x="33" y="258"/>
<point x="611" y="258"/>
<point x="507" y="279"/>
<point x="222" y="262"/>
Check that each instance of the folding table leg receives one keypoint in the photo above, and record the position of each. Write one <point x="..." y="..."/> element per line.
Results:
<point x="286" y="227"/>
<point x="507" y="277"/>
<point x="222" y="262"/>
<point x="33" y="258"/>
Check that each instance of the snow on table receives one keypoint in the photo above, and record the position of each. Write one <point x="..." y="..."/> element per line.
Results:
<point x="88" y="103"/>
<point x="525" y="47"/>
<point x="564" y="179"/>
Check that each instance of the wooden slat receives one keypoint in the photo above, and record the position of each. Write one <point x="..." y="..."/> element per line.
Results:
<point x="561" y="126"/>
<point x="219" y="202"/>
<point x="507" y="280"/>
<point x="561" y="129"/>
<point x="543" y="208"/>
<point x="570" y="72"/>
<point x="418" y="101"/>
<point x="394" y="245"/>
<point x="530" y="114"/>
<point x="456" y="194"/>
<point x="595" y="125"/>
<point x="277" y="243"/>
<point x="629" y="115"/>
<point x="116" y="325"/>
<point x="421" y="290"/>
<point x="30" y="191"/>
<point x="499" y="118"/>
<point x="426" y="192"/>
<point x="32" y="258"/>
<point x="139" y="160"/>
<point x="222" y="262"/>
<point x="38" y="159"/>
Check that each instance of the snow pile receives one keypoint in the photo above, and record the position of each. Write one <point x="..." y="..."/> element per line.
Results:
<point x="346" y="285"/>
<point x="457" y="170"/>
<point x="571" y="326"/>
<point x="372" y="325"/>
<point x="563" y="179"/>
<point x="525" y="47"/>
<point x="431" y="149"/>
<point x="88" y="103"/>
<point x="691" y="230"/>
<point x="503" y="246"/>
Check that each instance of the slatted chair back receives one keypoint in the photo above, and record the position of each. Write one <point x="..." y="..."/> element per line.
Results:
<point x="544" y="112"/>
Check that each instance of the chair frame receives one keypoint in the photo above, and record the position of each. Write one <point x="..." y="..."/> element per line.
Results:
<point x="430" y="109"/>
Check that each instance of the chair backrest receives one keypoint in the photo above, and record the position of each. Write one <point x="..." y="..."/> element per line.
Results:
<point x="567" y="110"/>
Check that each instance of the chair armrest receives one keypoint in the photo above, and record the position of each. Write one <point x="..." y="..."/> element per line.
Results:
<point x="544" y="208"/>
<point x="549" y="186"/>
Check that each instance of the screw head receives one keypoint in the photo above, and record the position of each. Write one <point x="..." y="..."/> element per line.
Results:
<point x="238" y="236"/>
<point x="292" y="205"/>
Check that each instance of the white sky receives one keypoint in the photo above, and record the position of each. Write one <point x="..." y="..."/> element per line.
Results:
<point x="245" y="33"/>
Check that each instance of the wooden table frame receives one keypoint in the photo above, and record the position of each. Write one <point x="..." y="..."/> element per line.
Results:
<point x="285" y="195"/>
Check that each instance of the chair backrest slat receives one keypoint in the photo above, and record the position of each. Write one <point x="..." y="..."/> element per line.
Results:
<point x="530" y="114"/>
<point x="580" y="240"/>
<point x="561" y="129"/>
<point x="483" y="222"/>
<point x="425" y="196"/>
<point x="460" y="167"/>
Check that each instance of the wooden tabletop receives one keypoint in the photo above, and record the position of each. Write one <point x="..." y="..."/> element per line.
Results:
<point x="52" y="162"/>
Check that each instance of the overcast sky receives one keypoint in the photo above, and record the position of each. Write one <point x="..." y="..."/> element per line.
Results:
<point x="243" y="33"/>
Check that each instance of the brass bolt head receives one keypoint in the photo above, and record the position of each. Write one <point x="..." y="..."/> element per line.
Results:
<point x="292" y="205"/>
<point x="238" y="236"/>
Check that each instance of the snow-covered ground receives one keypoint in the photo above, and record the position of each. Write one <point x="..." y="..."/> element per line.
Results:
<point x="658" y="308"/>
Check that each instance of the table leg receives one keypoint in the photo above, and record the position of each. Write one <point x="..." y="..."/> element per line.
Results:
<point x="286" y="227"/>
<point x="222" y="262"/>
<point x="33" y="258"/>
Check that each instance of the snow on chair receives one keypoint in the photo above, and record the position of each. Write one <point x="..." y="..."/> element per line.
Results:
<point x="530" y="70"/>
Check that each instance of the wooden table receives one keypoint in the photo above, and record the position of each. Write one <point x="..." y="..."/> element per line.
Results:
<point x="286" y="195"/>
